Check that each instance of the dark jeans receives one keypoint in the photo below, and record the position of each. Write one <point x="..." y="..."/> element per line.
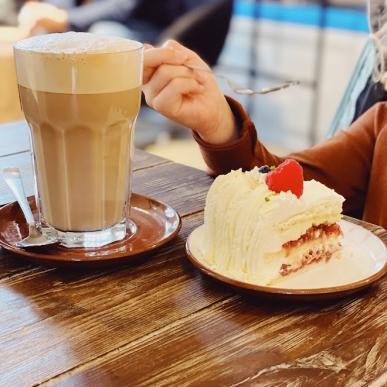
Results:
<point x="372" y="93"/>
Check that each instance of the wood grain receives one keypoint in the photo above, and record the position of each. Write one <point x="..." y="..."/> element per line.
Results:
<point x="241" y="341"/>
<point x="76" y="317"/>
<point x="183" y="188"/>
<point x="159" y="322"/>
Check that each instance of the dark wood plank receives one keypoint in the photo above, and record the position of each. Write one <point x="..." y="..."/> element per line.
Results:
<point x="149" y="181"/>
<point x="275" y="341"/>
<point x="182" y="187"/>
<point x="242" y="341"/>
<point x="143" y="160"/>
<point x="62" y="319"/>
<point x="159" y="322"/>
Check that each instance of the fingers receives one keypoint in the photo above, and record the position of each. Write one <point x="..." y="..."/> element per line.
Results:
<point x="170" y="87"/>
<point x="170" y="99"/>
<point x="165" y="74"/>
<point x="171" y="53"/>
<point x="155" y="57"/>
<point x="26" y="15"/>
<point x="192" y="56"/>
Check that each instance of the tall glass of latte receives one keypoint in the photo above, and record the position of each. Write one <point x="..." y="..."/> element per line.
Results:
<point x="80" y="94"/>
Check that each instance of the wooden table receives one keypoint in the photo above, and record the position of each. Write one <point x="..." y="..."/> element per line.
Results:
<point x="160" y="322"/>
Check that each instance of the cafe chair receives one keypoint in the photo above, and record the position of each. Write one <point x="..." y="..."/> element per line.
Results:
<point x="203" y="30"/>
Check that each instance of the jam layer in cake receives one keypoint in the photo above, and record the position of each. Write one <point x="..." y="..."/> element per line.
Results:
<point x="316" y="244"/>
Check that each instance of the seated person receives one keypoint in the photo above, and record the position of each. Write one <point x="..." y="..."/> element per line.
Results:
<point x="141" y="20"/>
<point x="353" y="162"/>
<point x="8" y="12"/>
<point x="375" y="88"/>
<point x="368" y="83"/>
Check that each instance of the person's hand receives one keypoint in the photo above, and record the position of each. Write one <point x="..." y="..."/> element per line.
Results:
<point x="40" y="16"/>
<point x="189" y="97"/>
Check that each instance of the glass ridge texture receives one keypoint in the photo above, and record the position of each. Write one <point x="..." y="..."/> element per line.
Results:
<point x="81" y="96"/>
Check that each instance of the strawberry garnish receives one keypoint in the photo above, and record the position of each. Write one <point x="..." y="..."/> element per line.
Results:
<point x="288" y="176"/>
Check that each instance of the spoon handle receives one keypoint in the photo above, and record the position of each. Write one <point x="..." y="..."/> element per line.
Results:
<point x="13" y="180"/>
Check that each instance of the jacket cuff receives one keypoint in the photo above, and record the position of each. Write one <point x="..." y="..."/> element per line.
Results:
<point x="237" y="154"/>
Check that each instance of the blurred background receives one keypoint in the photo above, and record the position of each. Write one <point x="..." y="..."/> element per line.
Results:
<point x="257" y="43"/>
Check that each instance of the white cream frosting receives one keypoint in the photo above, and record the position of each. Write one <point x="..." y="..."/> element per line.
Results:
<point x="245" y="222"/>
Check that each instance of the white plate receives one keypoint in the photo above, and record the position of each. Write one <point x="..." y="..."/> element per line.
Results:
<point x="361" y="262"/>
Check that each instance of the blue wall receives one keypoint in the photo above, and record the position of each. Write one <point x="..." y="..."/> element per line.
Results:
<point x="339" y="18"/>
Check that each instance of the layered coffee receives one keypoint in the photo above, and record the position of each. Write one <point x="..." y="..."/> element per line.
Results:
<point x="81" y="105"/>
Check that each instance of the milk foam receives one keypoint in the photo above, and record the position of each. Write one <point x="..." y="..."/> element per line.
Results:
<point x="78" y="63"/>
<point x="76" y="43"/>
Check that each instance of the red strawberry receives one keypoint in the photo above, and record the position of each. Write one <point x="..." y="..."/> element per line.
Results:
<point x="288" y="176"/>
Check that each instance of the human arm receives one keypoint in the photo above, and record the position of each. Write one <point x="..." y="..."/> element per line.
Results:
<point x="36" y="16"/>
<point x="187" y="96"/>
<point x="342" y="162"/>
<point x="51" y="18"/>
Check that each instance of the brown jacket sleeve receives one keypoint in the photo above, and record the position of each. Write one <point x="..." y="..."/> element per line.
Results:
<point x="353" y="162"/>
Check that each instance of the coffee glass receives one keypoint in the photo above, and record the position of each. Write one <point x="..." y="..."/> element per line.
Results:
<point x="80" y="94"/>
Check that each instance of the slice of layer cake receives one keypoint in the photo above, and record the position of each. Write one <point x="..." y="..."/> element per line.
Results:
<point x="260" y="227"/>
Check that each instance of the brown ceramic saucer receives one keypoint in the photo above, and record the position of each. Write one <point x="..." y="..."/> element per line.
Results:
<point x="157" y="223"/>
<point x="362" y="248"/>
